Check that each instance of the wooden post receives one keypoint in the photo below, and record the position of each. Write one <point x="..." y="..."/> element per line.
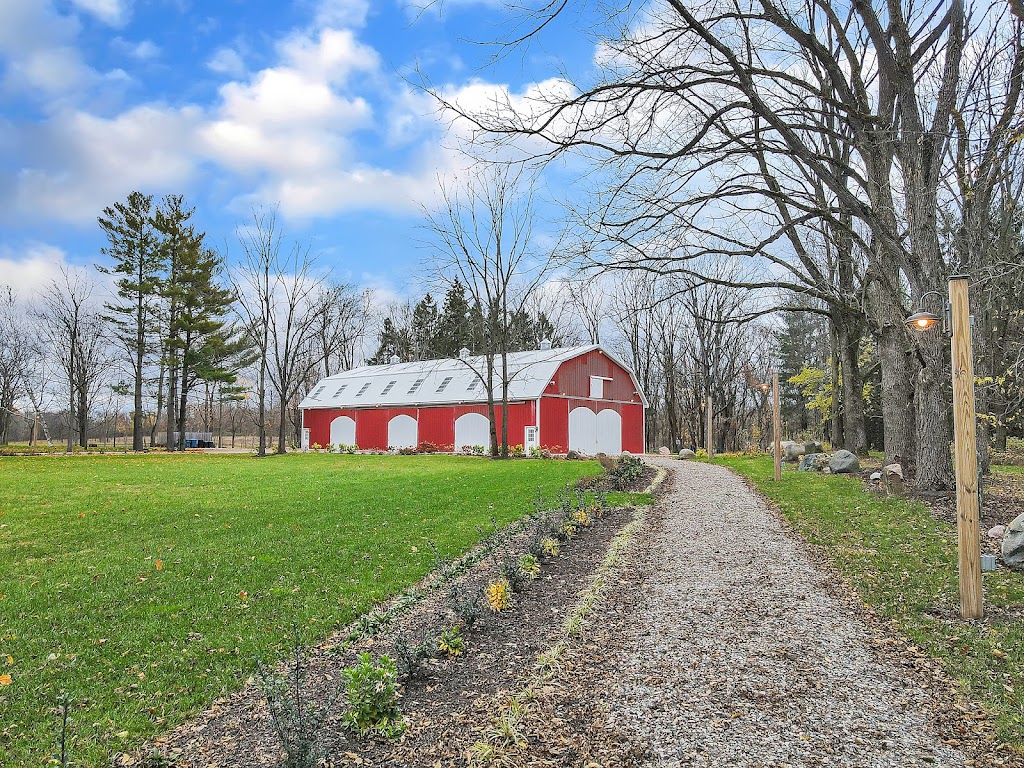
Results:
<point x="708" y="435"/>
<point x="965" y="451"/>
<point x="776" y="426"/>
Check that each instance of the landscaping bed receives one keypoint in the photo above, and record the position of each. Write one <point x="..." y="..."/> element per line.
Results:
<point x="442" y="697"/>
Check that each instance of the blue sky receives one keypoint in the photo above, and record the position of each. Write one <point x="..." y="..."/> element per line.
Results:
<point x="236" y="104"/>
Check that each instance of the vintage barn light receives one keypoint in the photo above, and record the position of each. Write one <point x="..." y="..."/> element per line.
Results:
<point x="922" y="321"/>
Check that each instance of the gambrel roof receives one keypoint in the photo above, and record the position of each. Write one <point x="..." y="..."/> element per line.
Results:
<point x="434" y="382"/>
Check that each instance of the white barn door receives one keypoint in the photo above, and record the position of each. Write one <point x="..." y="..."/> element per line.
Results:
<point x="609" y="432"/>
<point x="583" y="430"/>
<point x="472" y="429"/>
<point x="343" y="431"/>
<point x="402" y="432"/>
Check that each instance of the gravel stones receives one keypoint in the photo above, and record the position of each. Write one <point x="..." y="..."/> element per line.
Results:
<point x="734" y="654"/>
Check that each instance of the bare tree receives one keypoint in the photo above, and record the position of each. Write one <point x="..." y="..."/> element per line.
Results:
<point x="74" y="334"/>
<point x="482" y="237"/>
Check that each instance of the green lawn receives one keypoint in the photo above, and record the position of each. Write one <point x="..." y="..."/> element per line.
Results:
<point x="904" y="565"/>
<point x="146" y="586"/>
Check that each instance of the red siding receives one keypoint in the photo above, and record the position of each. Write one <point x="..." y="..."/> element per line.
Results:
<point x="573" y="378"/>
<point x="436" y="424"/>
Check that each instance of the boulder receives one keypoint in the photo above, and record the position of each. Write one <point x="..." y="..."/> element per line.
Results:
<point x="792" y="452"/>
<point x="893" y="476"/>
<point x="664" y="451"/>
<point x="809" y="463"/>
<point x="843" y="463"/>
<point x="1013" y="544"/>
<point x="875" y="477"/>
<point x="997" y="531"/>
<point x="813" y="446"/>
<point x="686" y="453"/>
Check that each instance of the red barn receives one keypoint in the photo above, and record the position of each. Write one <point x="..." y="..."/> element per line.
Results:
<point x="575" y="398"/>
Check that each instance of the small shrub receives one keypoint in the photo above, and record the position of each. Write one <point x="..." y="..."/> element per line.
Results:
<point x="407" y="451"/>
<point x="499" y="594"/>
<point x="581" y="517"/>
<point x="451" y="641"/>
<point x="701" y="455"/>
<point x="529" y="566"/>
<point x="568" y="530"/>
<point x="372" y="699"/>
<point x="607" y="463"/>
<point x="316" y="446"/>
<point x="425" y="447"/>
<point x="550" y="547"/>
<point x="628" y="470"/>
<point x="465" y="604"/>
<point x="516" y="451"/>
<point x="329" y="448"/>
<point x="409" y="656"/>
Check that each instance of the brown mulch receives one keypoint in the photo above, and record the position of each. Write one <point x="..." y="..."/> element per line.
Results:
<point x="440" y="700"/>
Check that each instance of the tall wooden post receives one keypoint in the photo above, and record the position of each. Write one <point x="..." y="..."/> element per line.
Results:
<point x="708" y="434"/>
<point x="965" y="451"/>
<point x="776" y="426"/>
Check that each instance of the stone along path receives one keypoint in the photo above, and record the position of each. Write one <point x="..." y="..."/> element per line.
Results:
<point x="729" y="649"/>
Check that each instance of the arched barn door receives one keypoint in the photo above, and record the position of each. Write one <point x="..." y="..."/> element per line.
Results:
<point x="583" y="430"/>
<point x="472" y="429"/>
<point x="609" y="432"/>
<point x="343" y="431"/>
<point x="402" y="432"/>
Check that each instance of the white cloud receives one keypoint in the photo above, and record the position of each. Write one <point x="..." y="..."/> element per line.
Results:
<point x="340" y="13"/>
<point x="115" y="13"/>
<point x="30" y="269"/>
<point x="143" y="50"/>
<point x="226" y="61"/>
<point x="38" y="46"/>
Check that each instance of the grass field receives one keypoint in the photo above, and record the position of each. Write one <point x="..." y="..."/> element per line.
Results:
<point x="146" y="586"/>
<point x="903" y="563"/>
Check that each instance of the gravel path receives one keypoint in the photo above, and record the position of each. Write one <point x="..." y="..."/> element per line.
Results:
<point x="737" y="654"/>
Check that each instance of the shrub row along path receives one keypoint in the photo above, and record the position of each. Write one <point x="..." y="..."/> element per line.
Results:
<point x="723" y="644"/>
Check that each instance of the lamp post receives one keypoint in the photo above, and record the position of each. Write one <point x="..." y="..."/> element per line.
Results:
<point x="956" y="322"/>
<point x="776" y="415"/>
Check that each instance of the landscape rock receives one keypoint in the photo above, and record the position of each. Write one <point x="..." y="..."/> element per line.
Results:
<point x="997" y="531"/>
<point x="809" y="463"/>
<point x="686" y="453"/>
<point x="875" y="477"/>
<point x="893" y="475"/>
<point x="664" y="451"/>
<point x="573" y="455"/>
<point x="784" y="444"/>
<point x="813" y="446"/>
<point x="792" y="452"/>
<point x="1013" y="544"/>
<point x="843" y="463"/>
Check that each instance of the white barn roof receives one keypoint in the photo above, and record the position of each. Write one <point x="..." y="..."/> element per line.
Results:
<point x="430" y="382"/>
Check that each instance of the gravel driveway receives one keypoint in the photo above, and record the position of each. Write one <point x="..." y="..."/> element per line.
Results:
<point x="736" y="653"/>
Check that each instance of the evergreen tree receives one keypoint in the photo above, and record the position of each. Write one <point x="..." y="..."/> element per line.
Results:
<point x="132" y="244"/>
<point x="392" y="340"/>
<point x="455" y="325"/>
<point x="423" y="330"/>
<point x="200" y="335"/>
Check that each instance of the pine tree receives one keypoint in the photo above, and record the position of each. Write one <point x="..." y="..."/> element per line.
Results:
<point x="423" y="330"/>
<point x="132" y="244"/>
<point x="454" y="327"/>
<point x="392" y="340"/>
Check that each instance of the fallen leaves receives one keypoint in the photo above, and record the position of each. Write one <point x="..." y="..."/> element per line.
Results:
<point x="5" y="679"/>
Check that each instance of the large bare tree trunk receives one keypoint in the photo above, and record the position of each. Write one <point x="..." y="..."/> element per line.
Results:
<point x="897" y="388"/>
<point x="855" y="436"/>
<point x="934" y="461"/>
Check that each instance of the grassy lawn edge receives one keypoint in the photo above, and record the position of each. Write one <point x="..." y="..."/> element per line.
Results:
<point x="902" y="564"/>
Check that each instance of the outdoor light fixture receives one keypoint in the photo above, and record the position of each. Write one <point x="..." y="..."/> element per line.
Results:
<point x="922" y="321"/>
<point x="956" y="322"/>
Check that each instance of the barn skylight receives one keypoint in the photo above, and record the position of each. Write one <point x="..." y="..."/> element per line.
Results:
<point x="388" y="387"/>
<point x="474" y="385"/>
<point x="415" y="386"/>
<point x="317" y="391"/>
<point x="340" y="389"/>
<point x="363" y="389"/>
<point x="444" y="384"/>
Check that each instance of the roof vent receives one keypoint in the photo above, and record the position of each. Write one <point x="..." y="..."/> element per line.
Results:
<point x="545" y="344"/>
<point x="464" y="354"/>
<point x="395" y="360"/>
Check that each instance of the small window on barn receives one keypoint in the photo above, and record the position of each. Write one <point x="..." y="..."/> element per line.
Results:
<point x="596" y="387"/>
<point x="474" y="385"/>
<point x="317" y="392"/>
<point x="388" y="387"/>
<point x="340" y="389"/>
<point x="444" y="384"/>
<point x="416" y="385"/>
<point x="362" y="389"/>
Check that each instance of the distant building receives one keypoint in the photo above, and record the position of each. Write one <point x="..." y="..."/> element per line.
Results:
<point x="574" y="398"/>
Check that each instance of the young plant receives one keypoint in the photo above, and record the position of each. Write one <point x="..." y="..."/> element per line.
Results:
<point x="296" y="719"/>
<point x="499" y="594"/>
<point x="451" y="641"/>
<point x="409" y="656"/>
<point x="372" y="698"/>
<point x="465" y="604"/>
<point x="529" y="566"/>
<point x="551" y="547"/>
<point x="63" y="756"/>
<point x="581" y="517"/>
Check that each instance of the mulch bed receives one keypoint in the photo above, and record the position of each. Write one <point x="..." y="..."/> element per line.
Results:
<point x="441" y="700"/>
